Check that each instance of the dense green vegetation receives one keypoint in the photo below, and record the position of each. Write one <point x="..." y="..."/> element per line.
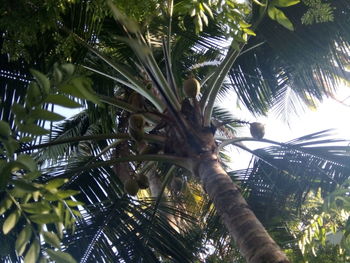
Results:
<point x="140" y="173"/>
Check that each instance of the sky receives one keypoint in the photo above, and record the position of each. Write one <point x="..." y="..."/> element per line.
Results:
<point x="329" y="114"/>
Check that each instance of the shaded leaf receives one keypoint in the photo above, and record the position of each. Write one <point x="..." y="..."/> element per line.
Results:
<point x="36" y="208"/>
<point x="33" y="252"/>
<point x="52" y="239"/>
<point x="56" y="183"/>
<point x="72" y="203"/>
<point x="34" y="97"/>
<point x="44" y="218"/>
<point x="60" y="257"/>
<point x="27" y="161"/>
<point x="43" y="81"/>
<point x="32" y="129"/>
<point x="41" y="114"/>
<point x="62" y="100"/>
<point x="5" y="204"/>
<point x="10" y="221"/>
<point x="23" y="239"/>
<point x="285" y="3"/>
<point x="280" y="17"/>
<point x="5" y="130"/>
<point x="24" y="186"/>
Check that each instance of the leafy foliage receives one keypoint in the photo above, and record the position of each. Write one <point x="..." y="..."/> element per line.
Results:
<point x="138" y="66"/>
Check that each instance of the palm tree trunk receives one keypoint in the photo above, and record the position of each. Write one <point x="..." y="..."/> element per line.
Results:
<point x="252" y="239"/>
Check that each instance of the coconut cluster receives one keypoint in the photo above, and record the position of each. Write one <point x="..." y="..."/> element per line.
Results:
<point x="133" y="185"/>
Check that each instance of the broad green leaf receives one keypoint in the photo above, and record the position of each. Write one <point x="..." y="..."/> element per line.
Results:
<point x="280" y="17"/>
<point x="68" y="220"/>
<point x="37" y="207"/>
<point x="28" y="162"/>
<point x="84" y="87"/>
<point x="57" y="74"/>
<point x="26" y="198"/>
<point x="62" y="194"/>
<point x="23" y="239"/>
<point x="32" y="129"/>
<point x="5" y="173"/>
<point x="259" y="3"/>
<point x="10" y="221"/>
<point x="49" y="196"/>
<point x="44" y="218"/>
<point x="208" y="9"/>
<point x="34" y="96"/>
<point x="72" y="203"/>
<point x="26" y="139"/>
<point x="19" y="111"/>
<point x="243" y="24"/>
<point x="285" y="3"/>
<point x="198" y="23"/>
<point x="41" y="114"/>
<point x="43" y="81"/>
<point x="62" y="100"/>
<point x="24" y="186"/>
<point x="32" y="175"/>
<point x="80" y="87"/>
<point x="59" y="210"/>
<point x="272" y="12"/>
<point x="5" y="204"/>
<point x="284" y="21"/>
<point x="204" y="17"/>
<point x="18" y="192"/>
<point x="59" y="227"/>
<point x="33" y="252"/>
<point x="52" y="239"/>
<point x="56" y="183"/>
<point x="249" y="31"/>
<point x="76" y="213"/>
<point x="11" y="146"/>
<point x="5" y="130"/>
<point x="43" y="260"/>
<point x="129" y="23"/>
<point x="68" y="68"/>
<point x="36" y="195"/>
<point x="60" y="257"/>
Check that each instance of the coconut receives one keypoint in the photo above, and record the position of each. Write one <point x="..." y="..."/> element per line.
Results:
<point x="191" y="87"/>
<point x="136" y="122"/>
<point x="257" y="130"/>
<point x="131" y="187"/>
<point x="142" y="181"/>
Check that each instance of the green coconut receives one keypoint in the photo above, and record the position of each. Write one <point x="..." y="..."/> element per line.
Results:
<point x="142" y="181"/>
<point x="136" y="122"/>
<point x="257" y="130"/>
<point x="131" y="187"/>
<point x="191" y="87"/>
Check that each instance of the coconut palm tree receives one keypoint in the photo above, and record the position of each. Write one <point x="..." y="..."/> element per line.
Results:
<point x="162" y="112"/>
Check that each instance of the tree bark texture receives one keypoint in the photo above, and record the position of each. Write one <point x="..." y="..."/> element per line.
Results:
<point x="252" y="239"/>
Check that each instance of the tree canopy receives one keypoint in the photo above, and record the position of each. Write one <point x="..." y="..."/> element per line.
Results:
<point x="140" y="173"/>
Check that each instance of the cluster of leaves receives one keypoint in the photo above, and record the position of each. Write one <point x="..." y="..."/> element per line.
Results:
<point x="277" y="14"/>
<point x="318" y="12"/>
<point x="230" y="13"/>
<point x="32" y="210"/>
<point x="44" y="18"/>
<point x="329" y="224"/>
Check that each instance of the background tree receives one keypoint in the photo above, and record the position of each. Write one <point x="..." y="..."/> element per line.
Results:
<point x="103" y="241"/>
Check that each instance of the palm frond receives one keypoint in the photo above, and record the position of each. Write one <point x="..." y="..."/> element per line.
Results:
<point x="304" y="60"/>
<point x="282" y="176"/>
<point x="115" y="227"/>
